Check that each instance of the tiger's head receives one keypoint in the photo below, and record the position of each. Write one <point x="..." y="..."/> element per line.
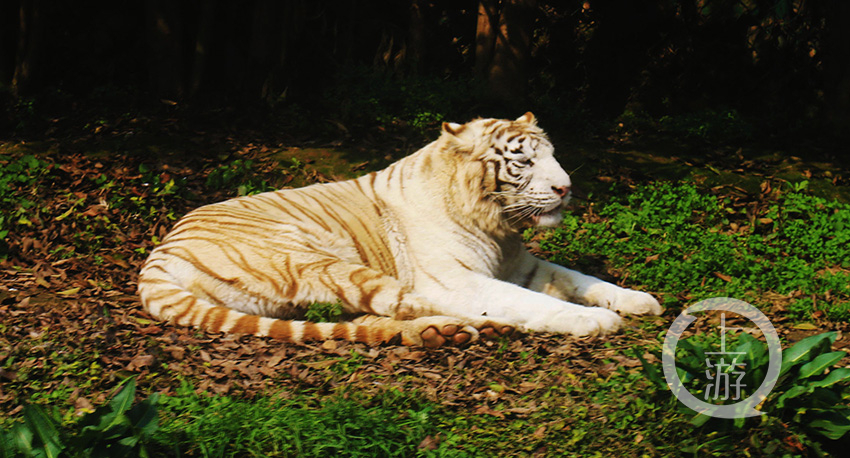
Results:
<point x="511" y="164"/>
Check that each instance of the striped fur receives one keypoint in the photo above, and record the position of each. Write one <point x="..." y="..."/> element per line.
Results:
<point x="426" y="251"/>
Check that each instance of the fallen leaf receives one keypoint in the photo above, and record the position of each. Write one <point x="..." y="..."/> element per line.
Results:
<point x="149" y="330"/>
<point x="429" y="443"/>
<point x="539" y="433"/>
<point x="276" y="358"/>
<point x="321" y="364"/>
<point x="414" y="355"/>
<point x="69" y="292"/>
<point x="176" y="352"/>
<point x="83" y="406"/>
<point x="139" y="361"/>
<point x="94" y="210"/>
<point x="8" y="375"/>
<point x="118" y="262"/>
<point x="484" y="409"/>
<point x="805" y="326"/>
<point x="525" y="387"/>
<point x="723" y="277"/>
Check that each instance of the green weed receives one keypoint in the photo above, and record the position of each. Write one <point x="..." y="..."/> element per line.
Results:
<point x="807" y="403"/>
<point x="679" y="240"/>
<point x="363" y="96"/>
<point x="386" y="425"/>
<point x="329" y="312"/>
<point x="238" y="174"/>
<point x="119" y="428"/>
<point x="714" y="125"/>
<point x="17" y="178"/>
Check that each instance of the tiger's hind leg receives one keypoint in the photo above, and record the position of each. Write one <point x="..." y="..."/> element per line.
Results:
<point x="383" y="297"/>
<point x="370" y="291"/>
<point x="254" y="301"/>
<point x="165" y="298"/>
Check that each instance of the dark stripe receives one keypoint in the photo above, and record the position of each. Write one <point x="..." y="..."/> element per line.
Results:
<point x="311" y="332"/>
<point x="361" y="334"/>
<point x="248" y="324"/>
<point x="434" y="279"/>
<point x="313" y="217"/>
<point x="340" y="331"/>
<point x="365" y="296"/>
<point x="352" y="233"/>
<point x="338" y="290"/>
<point x="292" y="285"/>
<point x="215" y="318"/>
<point x="192" y="301"/>
<point x="379" y="335"/>
<point x="281" y="329"/>
<point x="513" y="174"/>
<point x="530" y="277"/>
<point x="499" y="183"/>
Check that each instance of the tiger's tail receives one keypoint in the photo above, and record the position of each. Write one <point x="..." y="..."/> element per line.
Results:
<point x="164" y="298"/>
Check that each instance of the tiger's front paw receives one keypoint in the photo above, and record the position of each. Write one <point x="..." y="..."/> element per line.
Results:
<point x="579" y="322"/>
<point x="635" y="303"/>
<point x="595" y="322"/>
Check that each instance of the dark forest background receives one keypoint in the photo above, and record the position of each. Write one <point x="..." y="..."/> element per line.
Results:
<point x="779" y="67"/>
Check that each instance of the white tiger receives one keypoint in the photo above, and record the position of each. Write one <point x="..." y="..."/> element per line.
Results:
<point x="426" y="250"/>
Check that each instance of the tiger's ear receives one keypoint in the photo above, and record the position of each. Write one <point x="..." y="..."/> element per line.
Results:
<point x="453" y="128"/>
<point x="528" y="117"/>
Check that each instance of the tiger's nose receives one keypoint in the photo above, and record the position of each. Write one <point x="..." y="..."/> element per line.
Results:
<point x="561" y="191"/>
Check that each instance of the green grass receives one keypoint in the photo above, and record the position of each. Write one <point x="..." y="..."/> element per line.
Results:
<point x="685" y="243"/>
<point x="390" y="424"/>
<point x="622" y="413"/>
<point x="582" y="417"/>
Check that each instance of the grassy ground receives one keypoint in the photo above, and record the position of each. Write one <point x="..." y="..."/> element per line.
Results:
<point x="81" y="209"/>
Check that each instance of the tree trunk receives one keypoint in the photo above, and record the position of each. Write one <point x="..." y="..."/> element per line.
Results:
<point x="8" y="38"/>
<point x="503" y="47"/>
<point x="485" y="36"/>
<point x="416" y="53"/>
<point x="263" y="43"/>
<point x="836" y="64"/>
<point x="275" y="25"/>
<point x="202" y="45"/>
<point x="165" y="53"/>
<point x="30" y="35"/>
